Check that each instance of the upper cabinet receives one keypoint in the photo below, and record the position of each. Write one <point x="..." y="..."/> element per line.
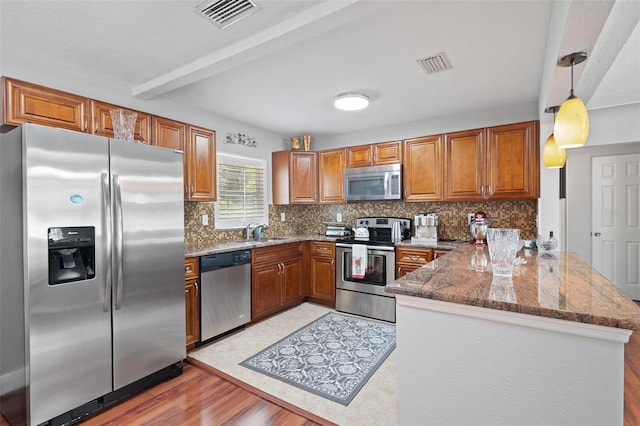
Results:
<point x="295" y="177"/>
<point x="331" y="165"/>
<point x="423" y="169"/>
<point x="30" y="103"/>
<point x="201" y="164"/>
<point x="102" y="125"/>
<point x="464" y="165"/>
<point x="513" y="161"/>
<point x="501" y="162"/>
<point x="374" y="154"/>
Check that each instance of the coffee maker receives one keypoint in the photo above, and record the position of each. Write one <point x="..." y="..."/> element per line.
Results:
<point x="426" y="229"/>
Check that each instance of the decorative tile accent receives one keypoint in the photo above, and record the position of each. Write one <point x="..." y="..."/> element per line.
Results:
<point x="308" y="219"/>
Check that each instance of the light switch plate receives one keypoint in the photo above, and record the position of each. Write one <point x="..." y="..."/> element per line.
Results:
<point x="339" y="217"/>
<point x="205" y="219"/>
<point x="282" y="217"/>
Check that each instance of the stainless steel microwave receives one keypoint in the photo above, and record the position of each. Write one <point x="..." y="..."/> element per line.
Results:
<point x="376" y="183"/>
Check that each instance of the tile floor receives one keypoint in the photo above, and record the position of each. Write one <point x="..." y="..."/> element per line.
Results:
<point x="375" y="404"/>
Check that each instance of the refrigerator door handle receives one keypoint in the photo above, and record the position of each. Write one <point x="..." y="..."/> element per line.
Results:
<point x="118" y="243"/>
<point x="106" y="299"/>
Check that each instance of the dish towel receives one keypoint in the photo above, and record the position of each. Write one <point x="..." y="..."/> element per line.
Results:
<point x="358" y="260"/>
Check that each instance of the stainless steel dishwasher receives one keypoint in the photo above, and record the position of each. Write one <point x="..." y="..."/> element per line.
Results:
<point x="225" y="297"/>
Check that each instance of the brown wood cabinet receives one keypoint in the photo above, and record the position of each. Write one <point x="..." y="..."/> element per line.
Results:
<point x="439" y="253"/>
<point x="464" y="165"/>
<point x="501" y="162"/>
<point x="331" y="165"/>
<point x="30" y="103"/>
<point x="294" y="177"/>
<point x="191" y="294"/>
<point x="201" y="164"/>
<point x="171" y="134"/>
<point x="323" y="273"/>
<point x="513" y="161"/>
<point x="276" y="279"/>
<point x="374" y="154"/>
<point x="409" y="259"/>
<point x="101" y="122"/>
<point x="423" y="169"/>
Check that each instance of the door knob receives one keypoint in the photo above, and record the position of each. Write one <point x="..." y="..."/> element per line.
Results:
<point x="596" y="234"/>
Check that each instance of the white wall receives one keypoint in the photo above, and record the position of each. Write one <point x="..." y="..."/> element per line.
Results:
<point x="471" y="120"/>
<point x="26" y="67"/>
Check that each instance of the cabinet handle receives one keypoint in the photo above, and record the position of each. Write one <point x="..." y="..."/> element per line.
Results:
<point x="95" y="124"/>
<point x="186" y="191"/>
<point x="191" y="189"/>
<point x="84" y="124"/>
<point x="333" y="263"/>
<point x="197" y="289"/>
<point x="187" y="270"/>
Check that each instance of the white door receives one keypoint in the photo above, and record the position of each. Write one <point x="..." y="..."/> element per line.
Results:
<point x="615" y="231"/>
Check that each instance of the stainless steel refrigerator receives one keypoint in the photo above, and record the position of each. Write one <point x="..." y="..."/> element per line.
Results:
<point x="91" y="271"/>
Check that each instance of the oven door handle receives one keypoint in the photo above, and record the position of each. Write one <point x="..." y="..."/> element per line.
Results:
<point x="372" y="249"/>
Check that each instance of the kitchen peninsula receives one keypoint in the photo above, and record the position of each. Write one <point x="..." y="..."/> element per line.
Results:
<point x="543" y="347"/>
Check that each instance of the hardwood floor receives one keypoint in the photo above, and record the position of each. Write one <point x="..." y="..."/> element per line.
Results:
<point x="200" y="397"/>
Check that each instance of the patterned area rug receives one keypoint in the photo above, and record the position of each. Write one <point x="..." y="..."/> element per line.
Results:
<point x="333" y="357"/>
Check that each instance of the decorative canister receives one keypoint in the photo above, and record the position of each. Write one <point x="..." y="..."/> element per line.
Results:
<point x="307" y="142"/>
<point x="295" y="143"/>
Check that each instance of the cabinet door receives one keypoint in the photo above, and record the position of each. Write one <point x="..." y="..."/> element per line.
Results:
<point x="387" y="153"/>
<point x="265" y="294"/>
<point x="201" y="164"/>
<point x="331" y="175"/>
<point x="403" y="269"/>
<point x="423" y="169"/>
<point x="464" y="165"/>
<point x="323" y="279"/>
<point x="513" y="163"/>
<point x="360" y="156"/>
<point x="101" y="122"/>
<point x="191" y="294"/>
<point x="291" y="274"/>
<point x="30" y="103"/>
<point x="303" y="178"/>
<point x="439" y="253"/>
<point x="171" y="134"/>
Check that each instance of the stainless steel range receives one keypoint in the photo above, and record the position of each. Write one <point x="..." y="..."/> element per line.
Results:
<point x="364" y="266"/>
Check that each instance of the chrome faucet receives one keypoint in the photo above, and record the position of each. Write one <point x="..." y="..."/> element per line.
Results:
<point x="249" y="229"/>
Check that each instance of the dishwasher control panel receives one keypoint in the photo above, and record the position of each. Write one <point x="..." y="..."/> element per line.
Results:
<point x="224" y="260"/>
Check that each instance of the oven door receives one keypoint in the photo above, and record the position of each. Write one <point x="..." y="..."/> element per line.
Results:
<point x="380" y="270"/>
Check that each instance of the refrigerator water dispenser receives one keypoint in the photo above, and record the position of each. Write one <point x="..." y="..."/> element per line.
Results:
<point x="71" y="254"/>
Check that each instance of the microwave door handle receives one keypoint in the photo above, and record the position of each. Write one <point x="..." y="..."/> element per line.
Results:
<point x="387" y="178"/>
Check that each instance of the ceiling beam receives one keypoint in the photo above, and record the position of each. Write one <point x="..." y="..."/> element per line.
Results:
<point x="313" y="21"/>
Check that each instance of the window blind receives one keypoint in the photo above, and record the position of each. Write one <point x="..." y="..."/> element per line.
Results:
<point x="241" y="192"/>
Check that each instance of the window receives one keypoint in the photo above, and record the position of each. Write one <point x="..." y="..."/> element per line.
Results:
<point x="241" y="192"/>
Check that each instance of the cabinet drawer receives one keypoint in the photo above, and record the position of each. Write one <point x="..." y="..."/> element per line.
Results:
<point x="276" y="253"/>
<point x="191" y="269"/>
<point x="415" y="256"/>
<point x="321" y="248"/>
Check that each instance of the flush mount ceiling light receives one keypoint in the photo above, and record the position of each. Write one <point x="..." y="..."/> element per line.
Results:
<point x="571" y="127"/>
<point x="553" y="156"/>
<point x="351" y="101"/>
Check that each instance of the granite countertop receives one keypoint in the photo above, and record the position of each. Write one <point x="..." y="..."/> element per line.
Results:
<point x="213" y="247"/>
<point x="558" y="285"/>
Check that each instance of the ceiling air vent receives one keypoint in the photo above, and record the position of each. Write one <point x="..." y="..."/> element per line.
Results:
<point x="435" y="63"/>
<point x="226" y="12"/>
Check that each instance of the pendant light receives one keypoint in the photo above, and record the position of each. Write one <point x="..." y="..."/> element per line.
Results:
<point x="571" y="127"/>
<point x="553" y="156"/>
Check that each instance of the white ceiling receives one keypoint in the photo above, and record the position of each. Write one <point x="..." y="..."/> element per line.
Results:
<point x="280" y="68"/>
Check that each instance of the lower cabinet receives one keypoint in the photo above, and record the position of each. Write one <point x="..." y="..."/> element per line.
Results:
<point x="323" y="273"/>
<point x="408" y="259"/>
<point x="191" y="295"/>
<point x="276" y="279"/>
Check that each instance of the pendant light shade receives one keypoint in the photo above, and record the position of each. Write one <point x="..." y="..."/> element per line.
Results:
<point x="571" y="127"/>
<point x="553" y="157"/>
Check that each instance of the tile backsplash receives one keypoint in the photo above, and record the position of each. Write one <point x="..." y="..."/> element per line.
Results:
<point x="308" y="219"/>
